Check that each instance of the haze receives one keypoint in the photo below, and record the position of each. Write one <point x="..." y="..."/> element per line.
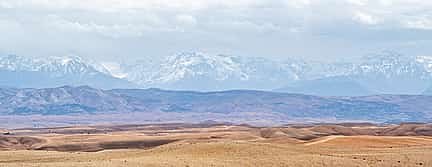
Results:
<point x="114" y="30"/>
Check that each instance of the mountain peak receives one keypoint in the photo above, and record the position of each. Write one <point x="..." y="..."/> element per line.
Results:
<point x="193" y="58"/>
<point x="20" y="71"/>
<point x="203" y="71"/>
<point x="65" y="60"/>
<point x="387" y="56"/>
<point x="190" y="64"/>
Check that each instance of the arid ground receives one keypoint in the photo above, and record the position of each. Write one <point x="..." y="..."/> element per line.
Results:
<point x="212" y="144"/>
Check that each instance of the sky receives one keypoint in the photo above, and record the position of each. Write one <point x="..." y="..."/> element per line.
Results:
<point x="127" y="30"/>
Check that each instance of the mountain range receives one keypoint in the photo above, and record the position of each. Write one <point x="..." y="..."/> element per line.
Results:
<point x="84" y="100"/>
<point x="22" y="72"/>
<point x="384" y="73"/>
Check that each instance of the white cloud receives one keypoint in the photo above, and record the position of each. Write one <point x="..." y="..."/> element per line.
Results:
<point x="109" y="30"/>
<point x="233" y="25"/>
<point x="294" y="30"/>
<point x="358" y="2"/>
<point x="386" y="2"/>
<point x="186" y="20"/>
<point x="365" y="18"/>
<point x="112" y="5"/>
<point x="298" y="3"/>
<point x="7" y="25"/>
<point x="5" y="4"/>
<point x="423" y="22"/>
<point x="243" y="26"/>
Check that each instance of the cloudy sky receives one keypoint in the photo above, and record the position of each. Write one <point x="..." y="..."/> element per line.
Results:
<point x="142" y="29"/>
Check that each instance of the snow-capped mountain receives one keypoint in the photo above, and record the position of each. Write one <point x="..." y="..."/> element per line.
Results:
<point x="386" y="73"/>
<point x="68" y="66"/>
<point x="16" y="63"/>
<point x="183" y="65"/>
<point x="59" y="65"/>
<point x="426" y="61"/>
<point x="391" y="73"/>
<point x="16" y="71"/>
<point x="391" y="65"/>
<point x="381" y="73"/>
<point x="200" y="71"/>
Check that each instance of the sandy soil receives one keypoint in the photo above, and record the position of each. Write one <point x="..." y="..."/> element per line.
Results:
<point x="216" y="145"/>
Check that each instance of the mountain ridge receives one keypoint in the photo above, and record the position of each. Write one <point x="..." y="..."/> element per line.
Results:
<point x="287" y="107"/>
<point x="385" y="73"/>
<point x="16" y="71"/>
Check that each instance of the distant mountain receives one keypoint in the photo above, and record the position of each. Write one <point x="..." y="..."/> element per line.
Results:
<point x="206" y="105"/>
<point x="384" y="73"/>
<point x="62" y="101"/>
<point x="428" y="91"/>
<point x="330" y="86"/>
<point x="392" y="73"/>
<point x="199" y="71"/>
<point x="23" y="72"/>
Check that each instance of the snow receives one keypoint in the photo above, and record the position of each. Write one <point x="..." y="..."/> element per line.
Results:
<point x="114" y="69"/>
<point x="217" y="67"/>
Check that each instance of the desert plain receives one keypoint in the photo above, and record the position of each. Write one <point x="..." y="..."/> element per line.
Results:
<point x="218" y="144"/>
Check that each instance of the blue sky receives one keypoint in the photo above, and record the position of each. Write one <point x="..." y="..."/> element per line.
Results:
<point x="323" y="30"/>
